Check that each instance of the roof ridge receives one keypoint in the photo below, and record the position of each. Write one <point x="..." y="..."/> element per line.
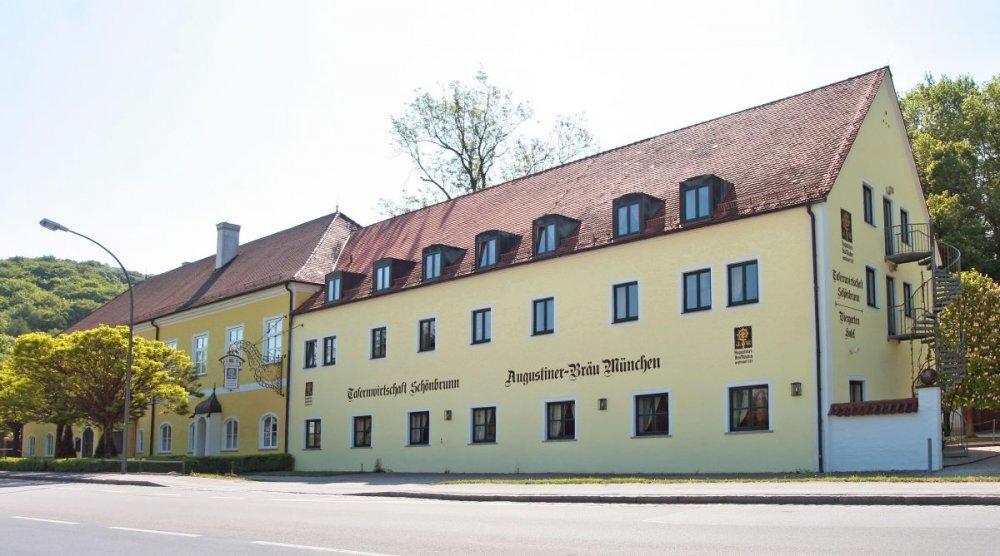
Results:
<point x="632" y="144"/>
<point x="336" y="214"/>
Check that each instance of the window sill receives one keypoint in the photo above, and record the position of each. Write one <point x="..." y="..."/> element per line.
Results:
<point x="638" y="436"/>
<point x="750" y="432"/>
<point x="743" y="303"/>
<point x="623" y="321"/>
<point x="361" y="447"/>
<point x="267" y="448"/>
<point x="480" y="342"/>
<point x="546" y="333"/>
<point x="334" y="364"/>
<point x="418" y="445"/>
<point x="312" y="448"/>
<point x="229" y="450"/>
<point x="698" y="310"/>
<point x="432" y="350"/>
<point x="492" y="443"/>
<point x="559" y="440"/>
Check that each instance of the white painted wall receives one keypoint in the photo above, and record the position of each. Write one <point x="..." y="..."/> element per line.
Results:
<point x="889" y="442"/>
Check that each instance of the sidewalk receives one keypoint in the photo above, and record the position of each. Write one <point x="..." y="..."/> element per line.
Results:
<point x="444" y="487"/>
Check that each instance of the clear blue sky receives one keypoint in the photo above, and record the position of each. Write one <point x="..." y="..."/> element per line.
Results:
<point x="144" y="124"/>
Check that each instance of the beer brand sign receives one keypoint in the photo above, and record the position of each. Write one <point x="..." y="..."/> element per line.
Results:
<point x="572" y="371"/>
<point x="231" y="364"/>
<point x="846" y="237"/>
<point x="743" y="344"/>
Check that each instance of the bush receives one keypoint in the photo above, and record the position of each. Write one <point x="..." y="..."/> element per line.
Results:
<point x="238" y="465"/>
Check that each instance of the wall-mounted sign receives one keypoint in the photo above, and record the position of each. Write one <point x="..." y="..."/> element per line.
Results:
<point x="394" y="389"/>
<point x="846" y="237"/>
<point x="743" y="344"/>
<point x="309" y="393"/>
<point x="849" y="292"/>
<point x="231" y="363"/>
<point x="573" y="371"/>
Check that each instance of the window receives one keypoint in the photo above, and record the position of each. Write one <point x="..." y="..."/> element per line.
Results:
<point x="269" y="432"/>
<point x="743" y="283"/>
<point x="887" y="226"/>
<point x="697" y="201"/>
<point x="545" y="238"/>
<point x="420" y="428"/>
<point x="487" y="252"/>
<point x="484" y="425"/>
<point x="234" y="335"/>
<point x="432" y="265"/>
<point x="383" y="276"/>
<point x="140" y="441"/>
<point x="272" y="340"/>
<point x="172" y="344"/>
<point x="870" y="287"/>
<point x="191" y="430"/>
<point x="334" y="288"/>
<point x="890" y="304"/>
<point x="907" y="300"/>
<point x="363" y="431"/>
<point x="857" y="390"/>
<point x="626" y="302"/>
<point x="199" y="350"/>
<point x="378" y="342"/>
<point x="651" y="415"/>
<point x="627" y="220"/>
<point x="313" y="434"/>
<point x="482" y="326"/>
<point x="310" y="357"/>
<point x="698" y="290"/>
<point x="427" y="335"/>
<point x="904" y="227"/>
<point x="560" y="420"/>
<point x="748" y="408"/>
<point x="31" y="446"/>
<point x="868" y="203"/>
<point x="231" y="434"/>
<point x="166" y="438"/>
<point x="50" y="445"/>
<point x="329" y="350"/>
<point x="544" y="316"/>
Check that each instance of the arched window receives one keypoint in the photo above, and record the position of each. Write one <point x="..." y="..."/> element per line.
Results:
<point x="231" y="434"/>
<point x="191" y="438"/>
<point x="166" y="438"/>
<point x="31" y="446"/>
<point x="50" y="445"/>
<point x="140" y="441"/>
<point x="269" y="431"/>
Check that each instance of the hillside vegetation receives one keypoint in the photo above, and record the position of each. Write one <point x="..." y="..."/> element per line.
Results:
<point x="46" y="294"/>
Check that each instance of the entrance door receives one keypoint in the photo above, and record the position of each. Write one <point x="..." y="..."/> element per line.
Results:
<point x="201" y="434"/>
<point x="87" y="443"/>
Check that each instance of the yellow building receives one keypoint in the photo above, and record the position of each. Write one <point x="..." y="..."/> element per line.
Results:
<point x="699" y="301"/>
<point x="240" y="298"/>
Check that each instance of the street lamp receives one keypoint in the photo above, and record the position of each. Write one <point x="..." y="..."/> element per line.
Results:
<point x="57" y="227"/>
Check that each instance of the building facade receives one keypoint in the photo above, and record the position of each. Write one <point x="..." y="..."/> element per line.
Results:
<point x="238" y="301"/>
<point x="700" y="301"/>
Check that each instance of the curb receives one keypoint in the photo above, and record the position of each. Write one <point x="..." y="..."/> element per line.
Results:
<point x="796" y="499"/>
<point x="27" y="476"/>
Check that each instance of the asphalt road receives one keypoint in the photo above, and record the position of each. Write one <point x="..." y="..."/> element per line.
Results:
<point x="48" y="518"/>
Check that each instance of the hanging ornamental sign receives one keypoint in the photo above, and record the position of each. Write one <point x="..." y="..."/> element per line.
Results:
<point x="231" y="364"/>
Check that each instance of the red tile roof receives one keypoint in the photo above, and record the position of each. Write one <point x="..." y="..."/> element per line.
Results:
<point x="777" y="155"/>
<point x="304" y="253"/>
<point x="874" y="407"/>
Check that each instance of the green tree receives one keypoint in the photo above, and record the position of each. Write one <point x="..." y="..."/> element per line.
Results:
<point x="954" y="126"/>
<point x="463" y="138"/>
<point x="81" y="376"/>
<point x="976" y="316"/>
<point x="46" y="294"/>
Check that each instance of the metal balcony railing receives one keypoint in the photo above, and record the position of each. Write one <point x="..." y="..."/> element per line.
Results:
<point x="908" y="243"/>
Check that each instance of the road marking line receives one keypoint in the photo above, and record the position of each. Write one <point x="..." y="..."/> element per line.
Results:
<point x="155" y="532"/>
<point x="59" y="521"/>
<point x="319" y="548"/>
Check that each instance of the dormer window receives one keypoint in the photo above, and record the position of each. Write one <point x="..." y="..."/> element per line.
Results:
<point x="701" y="195"/>
<point x="491" y="246"/>
<point x="550" y="231"/>
<point x="432" y="265"/>
<point x="632" y="211"/>
<point x="383" y="275"/>
<point x="439" y="257"/>
<point x="334" y="288"/>
<point x="487" y="249"/>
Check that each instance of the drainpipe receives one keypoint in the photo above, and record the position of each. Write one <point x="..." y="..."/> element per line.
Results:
<point x="819" y="349"/>
<point x="152" y="412"/>
<point x="288" y="372"/>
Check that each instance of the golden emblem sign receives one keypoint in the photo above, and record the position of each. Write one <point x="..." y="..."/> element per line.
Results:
<point x="743" y="337"/>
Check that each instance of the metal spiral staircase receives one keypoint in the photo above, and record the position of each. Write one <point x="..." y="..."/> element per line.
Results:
<point x="917" y="317"/>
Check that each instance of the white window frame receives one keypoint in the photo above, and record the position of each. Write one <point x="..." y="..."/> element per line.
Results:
<point x="229" y="331"/>
<point x="864" y="386"/>
<point x="199" y="356"/>
<point x="192" y="432"/>
<point x="263" y="434"/>
<point x="140" y="441"/>
<point x="50" y="445"/>
<point x="171" y="343"/>
<point x="334" y="289"/>
<point x="273" y="353"/>
<point x="383" y="277"/>
<point x="168" y="446"/>
<point x="31" y="446"/>
<point x="225" y="435"/>
<point x="770" y="405"/>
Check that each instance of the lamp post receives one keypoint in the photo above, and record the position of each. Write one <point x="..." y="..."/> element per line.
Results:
<point x="57" y="227"/>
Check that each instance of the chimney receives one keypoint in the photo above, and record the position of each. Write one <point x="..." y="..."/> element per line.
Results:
<point x="226" y="244"/>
